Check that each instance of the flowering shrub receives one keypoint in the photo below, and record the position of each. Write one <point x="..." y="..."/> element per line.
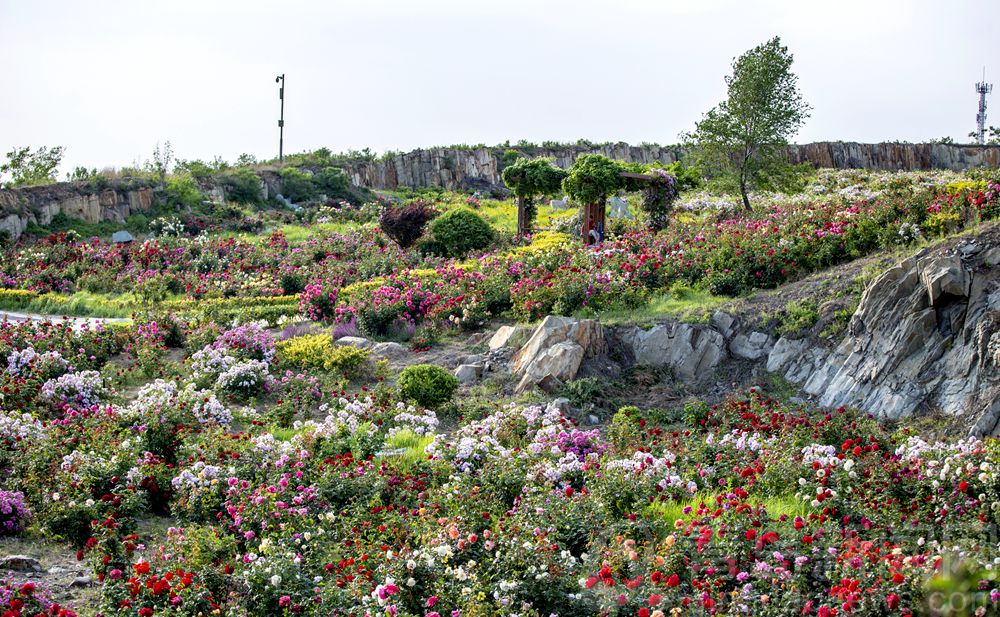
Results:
<point x="82" y="389"/>
<point x="246" y="378"/>
<point x="29" y="598"/>
<point x="14" y="512"/>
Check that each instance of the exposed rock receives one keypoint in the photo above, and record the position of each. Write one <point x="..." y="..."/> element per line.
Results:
<point x="388" y="350"/>
<point x="690" y="350"/>
<point x="354" y="341"/>
<point x="458" y="168"/>
<point x="81" y="581"/>
<point x="753" y="346"/>
<point x="40" y="204"/>
<point x="556" y="349"/>
<point x="921" y="338"/>
<point x="469" y="373"/>
<point x="20" y="563"/>
<point x="724" y="323"/>
<point x="560" y="361"/>
<point x="513" y="336"/>
<point x="562" y="404"/>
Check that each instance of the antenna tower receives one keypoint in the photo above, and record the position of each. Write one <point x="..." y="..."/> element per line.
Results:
<point x="983" y="89"/>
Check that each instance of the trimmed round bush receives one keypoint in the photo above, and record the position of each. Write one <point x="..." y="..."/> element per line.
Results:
<point x="459" y="231"/>
<point x="427" y="384"/>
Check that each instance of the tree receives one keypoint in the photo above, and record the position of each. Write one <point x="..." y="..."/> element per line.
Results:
<point x="747" y="134"/>
<point x="26" y="167"/>
<point x="163" y="159"/>
<point x="529" y="179"/>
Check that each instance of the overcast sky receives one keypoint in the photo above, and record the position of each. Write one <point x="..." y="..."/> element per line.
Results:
<point x="108" y="80"/>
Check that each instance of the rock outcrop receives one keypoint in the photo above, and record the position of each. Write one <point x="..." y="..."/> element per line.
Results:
<point x="921" y="339"/>
<point x="39" y="205"/>
<point x="689" y="350"/>
<point x="469" y="168"/>
<point x="925" y="338"/>
<point x="555" y="351"/>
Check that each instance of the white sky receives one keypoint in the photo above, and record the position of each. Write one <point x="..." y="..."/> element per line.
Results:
<point x="108" y="79"/>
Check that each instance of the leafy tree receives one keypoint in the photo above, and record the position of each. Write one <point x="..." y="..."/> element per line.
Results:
<point x="246" y="160"/>
<point x="82" y="174"/>
<point x="163" y="159"/>
<point x="747" y="134"/>
<point x="529" y="179"/>
<point x="27" y="168"/>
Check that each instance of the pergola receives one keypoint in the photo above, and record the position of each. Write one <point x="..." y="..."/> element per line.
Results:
<point x="594" y="214"/>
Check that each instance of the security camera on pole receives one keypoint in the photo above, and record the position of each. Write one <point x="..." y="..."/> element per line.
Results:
<point x="281" y="120"/>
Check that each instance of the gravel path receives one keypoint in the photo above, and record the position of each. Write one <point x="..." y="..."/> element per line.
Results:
<point x="76" y="322"/>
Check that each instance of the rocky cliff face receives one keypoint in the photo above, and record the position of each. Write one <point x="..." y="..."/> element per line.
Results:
<point x="19" y="207"/>
<point x="462" y="168"/>
<point x="925" y="338"/>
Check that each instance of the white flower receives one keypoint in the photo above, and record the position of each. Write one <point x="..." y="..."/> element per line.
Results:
<point x="275" y="580"/>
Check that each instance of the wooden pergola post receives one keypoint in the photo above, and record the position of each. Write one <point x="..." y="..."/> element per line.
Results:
<point x="593" y="214"/>
<point x="522" y="220"/>
<point x="593" y="223"/>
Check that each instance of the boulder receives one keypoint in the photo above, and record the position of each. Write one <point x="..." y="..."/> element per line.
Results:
<point x="508" y="336"/>
<point x="921" y="338"/>
<point x="388" y="350"/>
<point x="354" y="341"/>
<point x="556" y="349"/>
<point x="689" y="350"/>
<point x="20" y="563"/>
<point x="753" y="346"/>
<point x="469" y="373"/>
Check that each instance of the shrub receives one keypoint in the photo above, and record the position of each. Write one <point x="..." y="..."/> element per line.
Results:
<point x="243" y="186"/>
<point x="405" y="225"/>
<point x="183" y="192"/>
<point x="318" y="351"/>
<point x="297" y="185"/>
<point x="460" y="231"/>
<point x="332" y="181"/>
<point x="427" y="384"/>
<point x="14" y="512"/>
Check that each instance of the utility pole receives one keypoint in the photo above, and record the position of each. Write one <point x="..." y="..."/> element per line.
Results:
<point x="983" y="89"/>
<point x="281" y="120"/>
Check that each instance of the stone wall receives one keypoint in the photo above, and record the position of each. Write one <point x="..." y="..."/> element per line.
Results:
<point x="20" y="207"/>
<point x="459" y="168"/>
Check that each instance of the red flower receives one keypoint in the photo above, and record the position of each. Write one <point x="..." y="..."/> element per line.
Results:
<point x="655" y="599"/>
<point x="27" y="589"/>
<point x="673" y="580"/>
<point x="145" y="611"/>
<point x="893" y="601"/>
<point x="141" y="568"/>
<point x="963" y="486"/>
<point x="751" y="534"/>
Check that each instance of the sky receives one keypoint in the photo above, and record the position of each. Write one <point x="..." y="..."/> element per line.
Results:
<point x="109" y="80"/>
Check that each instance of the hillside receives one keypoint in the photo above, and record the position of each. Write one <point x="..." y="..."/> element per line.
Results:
<point x="781" y="410"/>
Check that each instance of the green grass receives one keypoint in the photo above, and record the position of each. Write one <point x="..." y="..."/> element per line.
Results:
<point x="690" y="306"/>
<point x="673" y="511"/>
<point x="79" y="304"/>
<point x="412" y="446"/>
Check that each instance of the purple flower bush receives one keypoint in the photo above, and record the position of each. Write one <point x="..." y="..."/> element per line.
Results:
<point x="14" y="512"/>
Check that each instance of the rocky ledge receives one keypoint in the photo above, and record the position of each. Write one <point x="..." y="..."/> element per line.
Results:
<point x="925" y="338"/>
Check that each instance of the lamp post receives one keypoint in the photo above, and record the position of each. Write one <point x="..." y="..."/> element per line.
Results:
<point x="281" y="120"/>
